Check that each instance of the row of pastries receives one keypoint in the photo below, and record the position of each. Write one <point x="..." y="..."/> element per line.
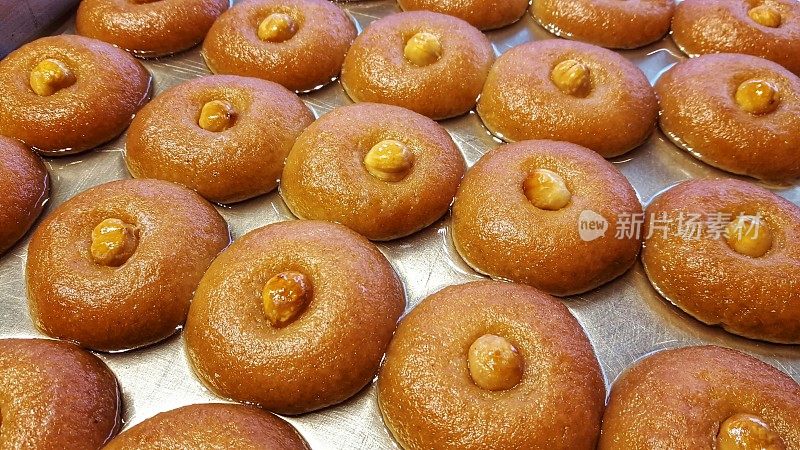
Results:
<point x="736" y="112"/>
<point x="298" y="316"/>
<point x="156" y="29"/>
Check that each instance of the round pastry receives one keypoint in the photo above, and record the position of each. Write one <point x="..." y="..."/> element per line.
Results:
<point x="297" y="43"/>
<point x="67" y="94"/>
<point x="768" y="29"/>
<point x="427" y="62"/>
<point x="208" y="427"/>
<point x="24" y="188"/>
<point x="381" y="170"/>
<point x="293" y="317"/>
<point x="114" y="268"/>
<point x="569" y="91"/>
<point x="607" y="23"/>
<point x="481" y="14"/>
<point x="148" y="28"/>
<point x="54" y="395"/>
<point x="549" y="214"/>
<point x="751" y="239"/>
<point x="736" y="112"/>
<point x="491" y="365"/>
<point x="224" y="136"/>
<point x="702" y="397"/>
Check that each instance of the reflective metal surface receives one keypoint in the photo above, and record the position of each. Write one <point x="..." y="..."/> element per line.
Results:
<point x="625" y="319"/>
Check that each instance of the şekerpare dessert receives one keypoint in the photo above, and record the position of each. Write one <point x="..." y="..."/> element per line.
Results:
<point x="293" y="317"/>
<point x="381" y="170"/>
<point x="427" y="62"/>
<point x="67" y="94"/>
<point x="148" y="28"/>
<point x="607" y="23"/>
<point x="739" y="113"/>
<point x="210" y="426"/>
<point x="224" y="136"/>
<point x="299" y="44"/>
<point x="727" y="252"/>
<point x="491" y="365"/>
<point x="569" y="91"/>
<point x="768" y="29"/>
<point x="115" y="267"/>
<point x="24" y="188"/>
<point x="702" y="397"/>
<point x="546" y="214"/>
<point x="53" y="395"/>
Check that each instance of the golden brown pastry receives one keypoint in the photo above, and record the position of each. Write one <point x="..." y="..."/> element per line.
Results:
<point x="381" y="170"/>
<point x="481" y="14"/>
<point x="115" y="267"/>
<point x="768" y="29"/>
<point x="427" y="62"/>
<point x="702" y="398"/>
<point x="736" y="112"/>
<point x="53" y="395"/>
<point x="548" y="214"/>
<point x="738" y="266"/>
<point x="293" y="317"/>
<point x="24" y="188"/>
<point x="297" y="43"/>
<point x="569" y="91"/>
<point x="224" y="136"/>
<point x="607" y="23"/>
<point x="67" y="94"/>
<point x="148" y="28"/>
<point x="491" y="365"/>
<point x="210" y="427"/>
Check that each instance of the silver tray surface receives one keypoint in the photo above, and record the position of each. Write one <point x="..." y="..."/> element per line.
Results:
<point x="625" y="319"/>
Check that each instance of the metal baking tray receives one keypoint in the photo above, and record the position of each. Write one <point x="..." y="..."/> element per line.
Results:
<point x="625" y="319"/>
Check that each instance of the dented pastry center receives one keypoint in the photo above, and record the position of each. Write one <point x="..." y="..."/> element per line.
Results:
<point x="494" y="363"/>
<point x="277" y="27"/>
<point x="389" y="160"/>
<point x="746" y="431"/>
<point x="546" y="190"/>
<point x="572" y="78"/>
<point x="285" y="296"/>
<point x="217" y="115"/>
<point x="113" y="242"/>
<point x="749" y="236"/>
<point x="423" y="49"/>
<point x="766" y="15"/>
<point x="50" y="76"/>
<point x="757" y="96"/>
